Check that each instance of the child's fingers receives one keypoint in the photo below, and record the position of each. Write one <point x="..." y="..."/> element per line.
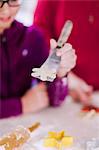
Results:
<point x="53" y="44"/>
<point x="67" y="47"/>
<point x="68" y="59"/>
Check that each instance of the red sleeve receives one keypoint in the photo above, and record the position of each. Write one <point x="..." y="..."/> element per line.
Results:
<point x="44" y="17"/>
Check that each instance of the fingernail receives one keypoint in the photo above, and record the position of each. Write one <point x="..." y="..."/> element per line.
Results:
<point x="58" y="53"/>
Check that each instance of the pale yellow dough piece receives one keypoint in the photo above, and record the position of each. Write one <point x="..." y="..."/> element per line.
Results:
<point x="50" y="142"/>
<point x="67" y="141"/>
<point x="58" y="140"/>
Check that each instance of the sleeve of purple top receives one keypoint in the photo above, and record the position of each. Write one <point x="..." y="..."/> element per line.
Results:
<point x="57" y="91"/>
<point x="10" y="107"/>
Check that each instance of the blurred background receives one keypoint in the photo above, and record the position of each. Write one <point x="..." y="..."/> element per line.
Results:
<point x="25" y="14"/>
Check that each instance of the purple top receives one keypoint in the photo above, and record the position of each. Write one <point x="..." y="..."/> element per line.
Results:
<point x="21" y="49"/>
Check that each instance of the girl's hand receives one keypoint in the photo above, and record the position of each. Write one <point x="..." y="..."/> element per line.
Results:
<point x="35" y="99"/>
<point x="68" y="58"/>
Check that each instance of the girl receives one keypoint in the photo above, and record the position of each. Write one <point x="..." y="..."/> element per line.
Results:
<point x="21" y="49"/>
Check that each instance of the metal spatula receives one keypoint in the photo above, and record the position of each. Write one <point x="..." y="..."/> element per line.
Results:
<point x="48" y="70"/>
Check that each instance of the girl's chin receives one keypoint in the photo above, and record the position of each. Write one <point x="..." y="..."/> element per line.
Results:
<point x="6" y="24"/>
<point x="6" y="21"/>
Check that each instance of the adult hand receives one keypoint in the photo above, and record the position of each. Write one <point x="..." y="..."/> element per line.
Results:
<point x="79" y="89"/>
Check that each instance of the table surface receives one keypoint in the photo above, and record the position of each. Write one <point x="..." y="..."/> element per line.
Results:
<point x="67" y="117"/>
